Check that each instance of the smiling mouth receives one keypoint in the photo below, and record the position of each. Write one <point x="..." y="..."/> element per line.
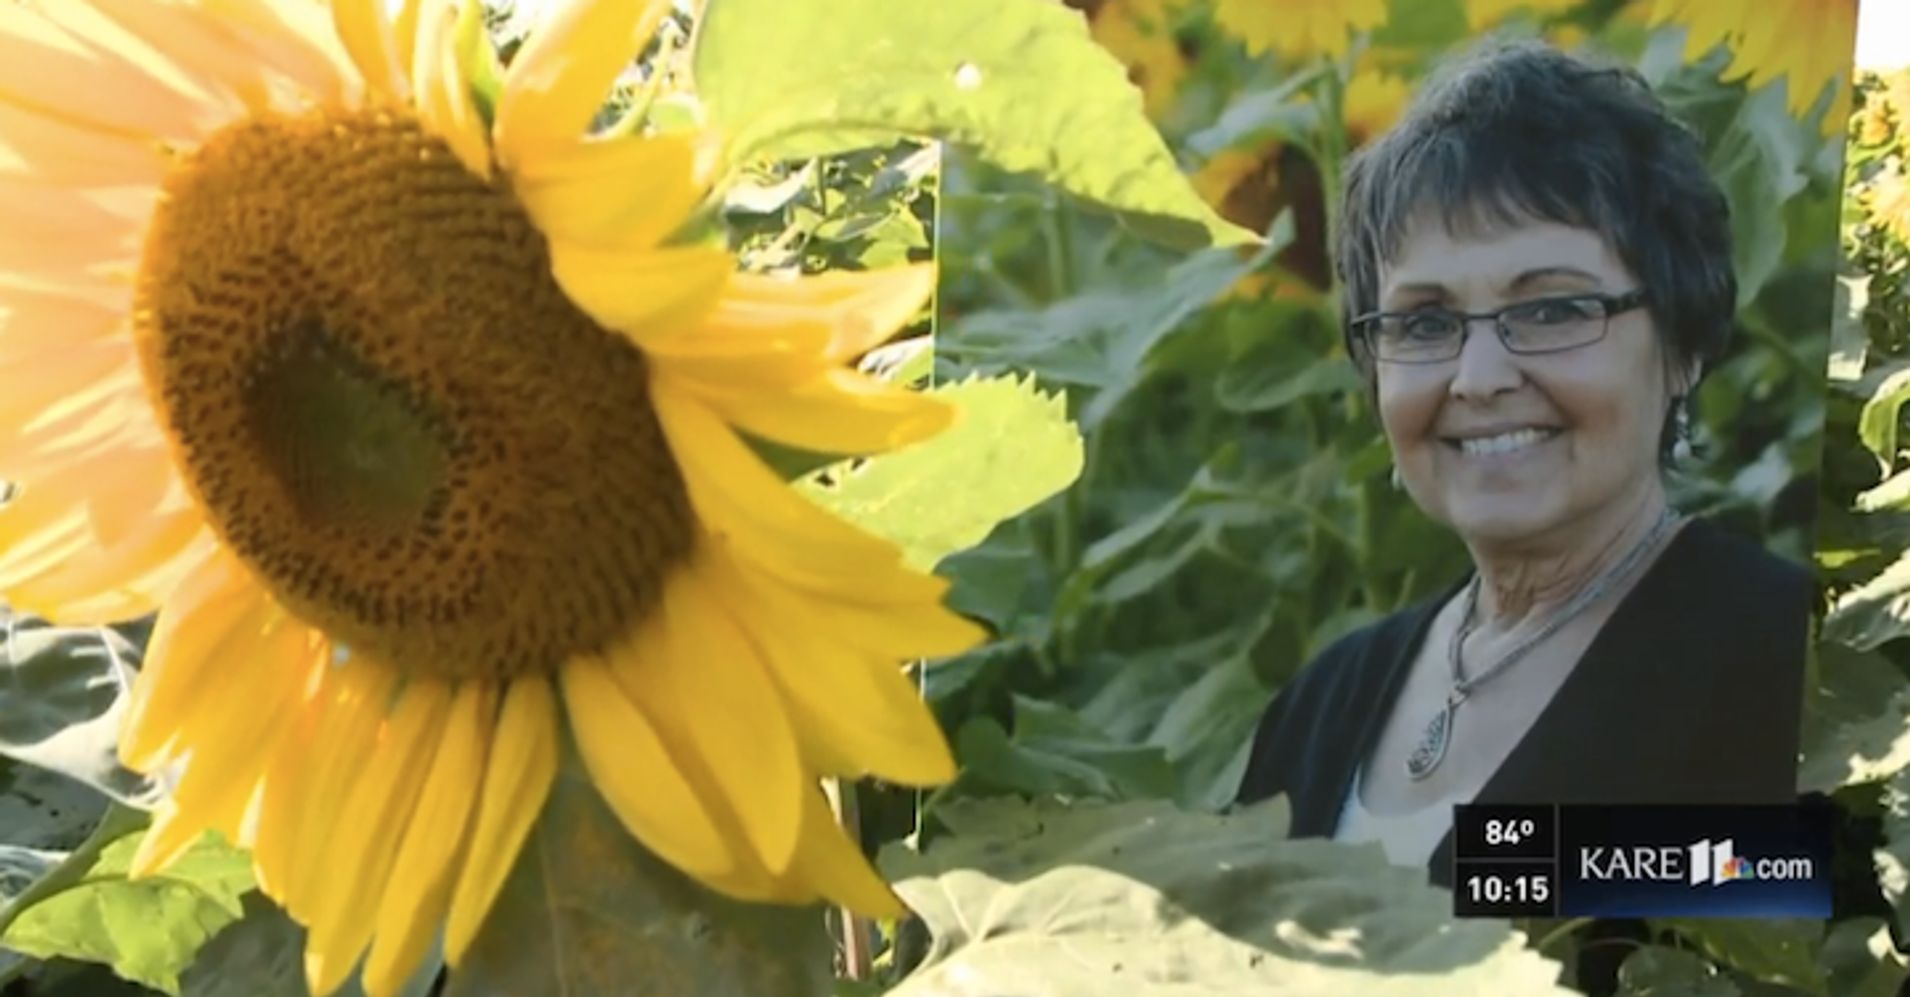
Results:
<point x="1501" y="443"/>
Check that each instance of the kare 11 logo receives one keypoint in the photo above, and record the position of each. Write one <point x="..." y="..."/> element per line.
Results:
<point x="1701" y="863"/>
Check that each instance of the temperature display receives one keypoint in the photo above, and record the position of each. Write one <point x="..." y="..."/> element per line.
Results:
<point x="1491" y="831"/>
<point x="1505" y="861"/>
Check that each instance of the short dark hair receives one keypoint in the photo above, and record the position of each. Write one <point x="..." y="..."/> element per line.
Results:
<point x="1516" y="130"/>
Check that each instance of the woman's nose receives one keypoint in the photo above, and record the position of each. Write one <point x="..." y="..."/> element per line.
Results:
<point x="1485" y="366"/>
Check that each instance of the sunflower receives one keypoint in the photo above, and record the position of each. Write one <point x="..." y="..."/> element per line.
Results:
<point x="1483" y="14"/>
<point x="1140" y="34"/>
<point x="390" y="386"/>
<point x="1887" y="199"/>
<point x="1250" y="184"/>
<point x="1298" y="29"/>
<point x="1808" y="43"/>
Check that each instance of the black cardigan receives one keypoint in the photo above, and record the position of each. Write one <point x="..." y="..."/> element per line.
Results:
<point x="1692" y="692"/>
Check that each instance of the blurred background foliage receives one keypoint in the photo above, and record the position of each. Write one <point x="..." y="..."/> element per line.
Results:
<point x="1235" y="513"/>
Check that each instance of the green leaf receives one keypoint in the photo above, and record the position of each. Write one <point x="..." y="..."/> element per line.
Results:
<point x="1256" y="389"/>
<point x="1020" y="81"/>
<point x="587" y="910"/>
<point x="1107" y="339"/>
<point x="1011" y="447"/>
<point x="1775" y="950"/>
<point x="147" y="930"/>
<point x="1877" y="425"/>
<point x="1053" y="751"/>
<point x="1874" y="612"/>
<point x="62" y="691"/>
<point x="1860" y="960"/>
<point x="1856" y="720"/>
<point x="1849" y="342"/>
<point x="1892" y="861"/>
<point x="263" y="955"/>
<point x="1657" y="971"/>
<point x="1134" y="898"/>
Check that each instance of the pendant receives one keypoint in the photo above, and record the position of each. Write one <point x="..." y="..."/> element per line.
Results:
<point x="1432" y="744"/>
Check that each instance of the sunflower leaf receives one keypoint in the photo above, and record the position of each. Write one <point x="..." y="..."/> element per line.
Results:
<point x="1095" y="899"/>
<point x="62" y="690"/>
<point x="587" y="910"/>
<point x="147" y="930"/>
<point x="1011" y="448"/>
<point x="263" y="955"/>
<point x="1020" y="81"/>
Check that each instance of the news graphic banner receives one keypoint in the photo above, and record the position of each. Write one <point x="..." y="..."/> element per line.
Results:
<point x="1573" y="860"/>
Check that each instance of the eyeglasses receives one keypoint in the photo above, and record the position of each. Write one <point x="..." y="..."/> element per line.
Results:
<point x="1540" y="325"/>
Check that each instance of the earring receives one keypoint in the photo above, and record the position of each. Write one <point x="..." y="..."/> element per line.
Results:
<point x="1399" y="484"/>
<point x="1681" y="448"/>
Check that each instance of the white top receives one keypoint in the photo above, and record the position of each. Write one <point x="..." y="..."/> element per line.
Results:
<point x="1408" y="839"/>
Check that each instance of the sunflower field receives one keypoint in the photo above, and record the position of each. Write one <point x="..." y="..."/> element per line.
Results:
<point x="810" y="497"/>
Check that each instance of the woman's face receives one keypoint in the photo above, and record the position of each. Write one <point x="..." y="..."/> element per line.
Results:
<point x="1506" y="447"/>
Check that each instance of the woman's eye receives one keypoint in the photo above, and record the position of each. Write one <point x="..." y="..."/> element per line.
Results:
<point x="1427" y="325"/>
<point x="1558" y="312"/>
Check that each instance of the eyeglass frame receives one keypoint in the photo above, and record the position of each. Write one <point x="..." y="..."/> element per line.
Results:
<point x="1613" y="304"/>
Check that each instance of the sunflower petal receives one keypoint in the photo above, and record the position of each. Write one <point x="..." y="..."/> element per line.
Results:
<point x="517" y="778"/>
<point x="54" y="150"/>
<point x="39" y="62"/>
<point x="836" y="868"/>
<point x="342" y="744"/>
<point x="719" y="686"/>
<point x="840" y="411"/>
<point x="562" y="76"/>
<point x="739" y="496"/>
<point x="637" y="775"/>
<point x="865" y="308"/>
<point x="635" y="290"/>
<point x="373" y="46"/>
<point x="416" y="898"/>
<point x="370" y="829"/>
<point x="295" y="40"/>
<point x="617" y="194"/>
<point x="824" y="679"/>
<point x="444" y="98"/>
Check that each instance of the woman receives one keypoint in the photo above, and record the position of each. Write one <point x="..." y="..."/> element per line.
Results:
<point x="1538" y="268"/>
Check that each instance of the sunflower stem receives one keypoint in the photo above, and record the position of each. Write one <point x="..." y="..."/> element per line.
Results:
<point x="118" y="822"/>
<point x="857" y="932"/>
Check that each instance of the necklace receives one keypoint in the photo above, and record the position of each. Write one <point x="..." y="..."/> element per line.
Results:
<point x="1438" y="733"/>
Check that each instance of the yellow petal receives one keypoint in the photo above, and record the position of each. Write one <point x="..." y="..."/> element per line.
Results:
<point x="174" y="830"/>
<point x="855" y="711"/>
<point x="714" y="678"/>
<point x="50" y="228"/>
<point x="839" y="411"/>
<point x="370" y="829"/>
<point x="419" y="892"/>
<point x="276" y="816"/>
<point x="124" y="580"/>
<point x="294" y="40"/>
<point x="636" y="290"/>
<point x="835" y="867"/>
<point x="230" y="746"/>
<point x="40" y="61"/>
<point x="617" y="194"/>
<point x="865" y="308"/>
<point x="562" y="75"/>
<point x="201" y="49"/>
<point x="638" y="777"/>
<point x="368" y="37"/>
<point x="341" y="747"/>
<point x="737" y="495"/>
<point x="517" y="778"/>
<point x="444" y="98"/>
<point x="195" y="619"/>
<point x="53" y="150"/>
